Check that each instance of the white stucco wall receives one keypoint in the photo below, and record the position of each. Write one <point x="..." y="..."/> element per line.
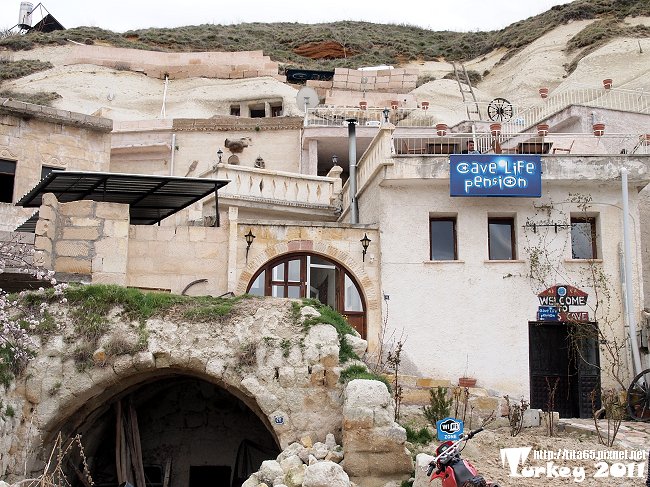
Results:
<point x="471" y="315"/>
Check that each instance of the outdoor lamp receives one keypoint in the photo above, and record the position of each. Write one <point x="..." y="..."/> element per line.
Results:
<point x="335" y="160"/>
<point x="249" y="241"/>
<point x="386" y="112"/>
<point x="219" y="154"/>
<point x="365" y="241"/>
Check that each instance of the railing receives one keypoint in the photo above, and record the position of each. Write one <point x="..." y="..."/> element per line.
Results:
<point x="517" y="118"/>
<point x="521" y="143"/>
<point x="371" y="117"/>
<point x="613" y="99"/>
<point x="292" y="188"/>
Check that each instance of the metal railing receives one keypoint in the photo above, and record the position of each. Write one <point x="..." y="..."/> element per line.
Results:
<point x="517" y="119"/>
<point x="521" y="143"/>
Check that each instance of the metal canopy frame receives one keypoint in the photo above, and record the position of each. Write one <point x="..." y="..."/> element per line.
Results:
<point x="151" y="199"/>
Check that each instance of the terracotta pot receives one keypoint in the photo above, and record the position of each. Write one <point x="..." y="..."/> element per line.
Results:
<point x="467" y="382"/>
<point x="607" y="83"/>
<point x="645" y="139"/>
<point x="542" y="129"/>
<point x="599" y="129"/>
<point x="441" y="129"/>
<point x="363" y="105"/>
<point x="543" y="92"/>
<point x="495" y="129"/>
<point x="394" y="104"/>
<point x="425" y="105"/>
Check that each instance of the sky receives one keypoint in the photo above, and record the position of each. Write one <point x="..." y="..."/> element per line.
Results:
<point x="123" y="15"/>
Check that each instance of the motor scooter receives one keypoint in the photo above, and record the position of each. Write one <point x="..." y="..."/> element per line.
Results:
<point x="452" y="469"/>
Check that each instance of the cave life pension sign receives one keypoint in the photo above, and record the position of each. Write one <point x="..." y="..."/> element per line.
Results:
<point x="558" y="303"/>
<point x="495" y="175"/>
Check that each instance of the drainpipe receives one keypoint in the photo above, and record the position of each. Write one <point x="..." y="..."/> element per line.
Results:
<point x="629" y="297"/>
<point x="171" y="163"/>
<point x="352" y="156"/>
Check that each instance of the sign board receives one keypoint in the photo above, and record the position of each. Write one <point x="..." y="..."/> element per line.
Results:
<point x="548" y="313"/>
<point x="495" y="175"/>
<point x="449" y="429"/>
<point x="557" y="303"/>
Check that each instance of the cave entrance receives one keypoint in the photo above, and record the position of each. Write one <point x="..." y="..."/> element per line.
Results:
<point x="190" y="432"/>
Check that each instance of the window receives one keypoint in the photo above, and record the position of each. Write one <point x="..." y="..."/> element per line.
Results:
<point x="276" y="110"/>
<point x="501" y="238"/>
<point x="7" y="176"/>
<point x="235" y="110"/>
<point x="442" y="232"/>
<point x="303" y="275"/>
<point x="583" y="238"/>
<point x="257" y="110"/>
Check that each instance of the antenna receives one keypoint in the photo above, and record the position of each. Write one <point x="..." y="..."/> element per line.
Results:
<point x="307" y="98"/>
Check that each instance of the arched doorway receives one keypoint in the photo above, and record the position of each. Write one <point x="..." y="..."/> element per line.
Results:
<point x="306" y="275"/>
<point x="189" y="432"/>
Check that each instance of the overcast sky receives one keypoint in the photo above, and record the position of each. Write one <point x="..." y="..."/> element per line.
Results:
<point x="122" y="15"/>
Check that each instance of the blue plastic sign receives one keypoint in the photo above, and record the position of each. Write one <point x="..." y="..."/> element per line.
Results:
<point x="449" y="429"/>
<point x="548" y="313"/>
<point x="495" y="175"/>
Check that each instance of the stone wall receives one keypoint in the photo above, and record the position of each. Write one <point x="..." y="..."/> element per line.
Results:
<point x="399" y="80"/>
<point x="178" y="65"/>
<point x="84" y="238"/>
<point x="293" y="389"/>
<point x="35" y="136"/>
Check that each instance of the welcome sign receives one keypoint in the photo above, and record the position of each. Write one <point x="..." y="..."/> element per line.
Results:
<point x="495" y="175"/>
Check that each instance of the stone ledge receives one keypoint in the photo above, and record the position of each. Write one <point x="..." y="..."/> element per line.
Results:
<point x="47" y="114"/>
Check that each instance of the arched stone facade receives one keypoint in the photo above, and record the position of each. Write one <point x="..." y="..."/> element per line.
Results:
<point x="259" y="353"/>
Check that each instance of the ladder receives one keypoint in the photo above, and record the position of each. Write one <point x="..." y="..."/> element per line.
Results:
<point x="466" y="90"/>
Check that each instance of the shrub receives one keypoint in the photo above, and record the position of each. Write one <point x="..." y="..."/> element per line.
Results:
<point x="439" y="405"/>
<point x="361" y="372"/>
<point x="422" y="436"/>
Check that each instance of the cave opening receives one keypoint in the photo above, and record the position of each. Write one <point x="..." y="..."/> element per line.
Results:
<point x="174" y="430"/>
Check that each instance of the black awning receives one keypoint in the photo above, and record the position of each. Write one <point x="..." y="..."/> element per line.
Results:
<point x="150" y="198"/>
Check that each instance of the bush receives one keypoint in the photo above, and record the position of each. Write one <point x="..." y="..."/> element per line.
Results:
<point x="439" y="405"/>
<point x="422" y="436"/>
<point x="24" y="67"/>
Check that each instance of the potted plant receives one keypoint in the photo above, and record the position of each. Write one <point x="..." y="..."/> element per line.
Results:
<point x="394" y="104"/>
<point x="495" y="129"/>
<point x="441" y="129"/>
<point x="599" y="129"/>
<point x="542" y="129"/>
<point x="363" y="104"/>
<point x="607" y="83"/>
<point x="543" y="92"/>
<point x="425" y="105"/>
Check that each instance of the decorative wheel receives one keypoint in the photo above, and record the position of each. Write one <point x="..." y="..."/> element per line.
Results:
<point x="638" y="397"/>
<point x="500" y="110"/>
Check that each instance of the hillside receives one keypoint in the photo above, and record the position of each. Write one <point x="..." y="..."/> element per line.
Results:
<point x="353" y="44"/>
<point x="554" y="49"/>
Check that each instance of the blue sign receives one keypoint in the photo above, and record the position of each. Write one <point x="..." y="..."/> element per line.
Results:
<point x="495" y="175"/>
<point x="548" y="313"/>
<point x="449" y="429"/>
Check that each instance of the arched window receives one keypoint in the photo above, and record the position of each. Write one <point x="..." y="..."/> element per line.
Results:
<point x="312" y="276"/>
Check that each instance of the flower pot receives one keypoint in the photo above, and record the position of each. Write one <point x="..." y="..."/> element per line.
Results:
<point x="394" y="104"/>
<point x="542" y="129"/>
<point x="607" y="83"/>
<point x="495" y="129"/>
<point x="543" y="92"/>
<point x="363" y="104"/>
<point x="425" y="105"/>
<point x="467" y="382"/>
<point x="441" y="129"/>
<point x="645" y="139"/>
<point x="599" y="129"/>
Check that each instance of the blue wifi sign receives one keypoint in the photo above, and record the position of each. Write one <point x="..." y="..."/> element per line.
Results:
<point x="449" y="429"/>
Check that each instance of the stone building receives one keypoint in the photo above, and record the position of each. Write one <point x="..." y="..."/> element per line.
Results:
<point x="510" y="288"/>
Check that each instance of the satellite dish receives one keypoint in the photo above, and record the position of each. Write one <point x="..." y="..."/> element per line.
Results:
<point x="307" y="98"/>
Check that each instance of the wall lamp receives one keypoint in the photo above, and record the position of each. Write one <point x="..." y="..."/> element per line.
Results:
<point x="219" y="154"/>
<point x="249" y="241"/>
<point x="365" y="241"/>
<point x="386" y="112"/>
<point x="335" y="159"/>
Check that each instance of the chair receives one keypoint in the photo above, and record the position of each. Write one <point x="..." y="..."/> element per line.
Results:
<point x="564" y="149"/>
